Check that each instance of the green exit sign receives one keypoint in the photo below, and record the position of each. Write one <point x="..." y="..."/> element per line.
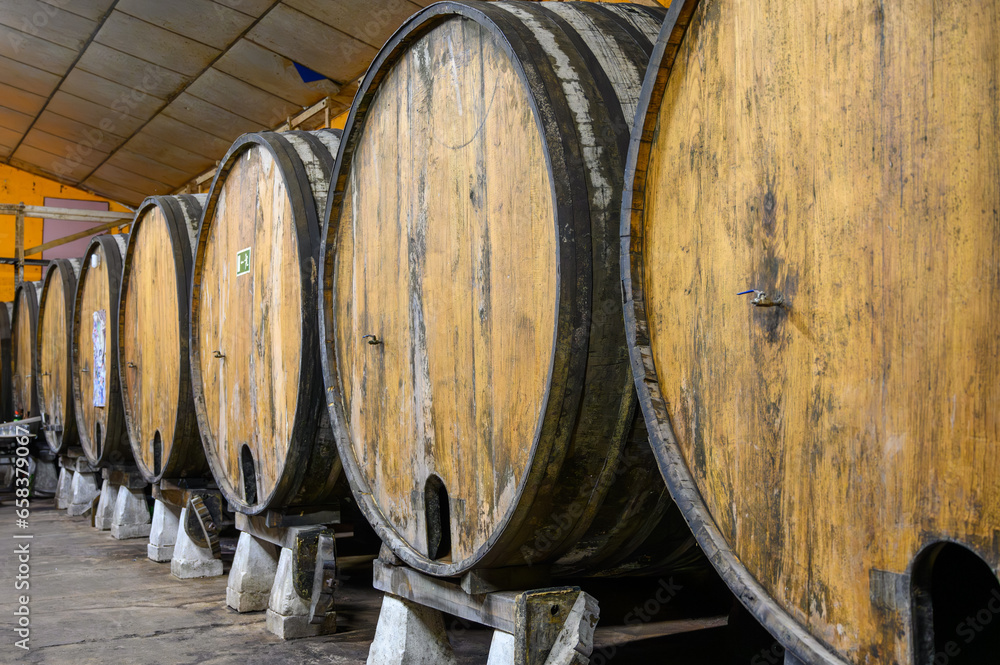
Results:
<point x="243" y="262"/>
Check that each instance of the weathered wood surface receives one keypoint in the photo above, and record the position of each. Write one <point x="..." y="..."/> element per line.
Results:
<point x="25" y="322"/>
<point x="54" y="354"/>
<point x="254" y="344"/>
<point x="846" y="156"/>
<point x="154" y="361"/>
<point x="473" y="231"/>
<point x="100" y="418"/>
<point x="6" y="362"/>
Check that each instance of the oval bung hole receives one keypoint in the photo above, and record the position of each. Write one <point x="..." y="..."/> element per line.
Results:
<point x="248" y="470"/>
<point x="157" y="453"/>
<point x="437" y="514"/>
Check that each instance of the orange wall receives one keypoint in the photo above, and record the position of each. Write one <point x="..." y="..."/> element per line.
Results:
<point x="17" y="186"/>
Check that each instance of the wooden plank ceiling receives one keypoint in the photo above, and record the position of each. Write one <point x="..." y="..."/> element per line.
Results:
<point x="129" y="98"/>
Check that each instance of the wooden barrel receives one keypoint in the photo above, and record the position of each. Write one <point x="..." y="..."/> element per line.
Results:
<point x="474" y="356"/>
<point x="96" y="395"/>
<point x="54" y="354"/>
<point x="25" y="322"/>
<point x="843" y="159"/>
<point x="254" y="345"/>
<point x="6" y="363"/>
<point x="155" y="363"/>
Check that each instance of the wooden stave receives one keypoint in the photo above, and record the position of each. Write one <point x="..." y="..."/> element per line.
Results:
<point x="644" y="559"/>
<point x="312" y="452"/>
<point x="114" y="451"/>
<point x="69" y="271"/>
<point x="806" y="646"/>
<point x="32" y="292"/>
<point x="183" y="216"/>
<point x="6" y="363"/>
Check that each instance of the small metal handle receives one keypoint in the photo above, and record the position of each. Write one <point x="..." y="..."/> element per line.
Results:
<point x="85" y="370"/>
<point x="131" y="364"/>
<point x="761" y="299"/>
<point x="46" y="373"/>
<point x="373" y="341"/>
<point x="218" y="354"/>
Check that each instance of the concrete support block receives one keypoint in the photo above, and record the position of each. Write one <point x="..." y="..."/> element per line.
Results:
<point x="501" y="649"/>
<point x="163" y="532"/>
<point x="252" y="575"/>
<point x="131" y="515"/>
<point x="287" y="613"/>
<point x="411" y="634"/>
<point x="106" y="506"/>
<point x="190" y="560"/>
<point x="46" y="478"/>
<point x="84" y="490"/>
<point x="64" y="488"/>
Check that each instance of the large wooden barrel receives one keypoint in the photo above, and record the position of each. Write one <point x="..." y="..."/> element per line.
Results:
<point x="54" y="354"/>
<point x="474" y="357"/>
<point x="254" y="344"/>
<point x="842" y="158"/>
<point x="25" y="321"/>
<point x="6" y="362"/>
<point x="96" y="394"/>
<point x="155" y="363"/>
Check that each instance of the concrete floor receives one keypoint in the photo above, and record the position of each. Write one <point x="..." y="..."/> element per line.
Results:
<point x="99" y="600"/>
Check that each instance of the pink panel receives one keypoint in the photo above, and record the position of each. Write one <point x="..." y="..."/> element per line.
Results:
<point x="57" y="228"/>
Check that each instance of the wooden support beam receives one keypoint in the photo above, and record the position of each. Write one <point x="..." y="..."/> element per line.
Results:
<point x="297" y="120"/>
<point x="72" y="214"/>
<point x="502" y="610"/>
<point x="76" y="236"/>
<point x="18" y="246"/>
<point x="282" y="536"/>
<point x="28" y="426"/>
<point x="11" y="261"/>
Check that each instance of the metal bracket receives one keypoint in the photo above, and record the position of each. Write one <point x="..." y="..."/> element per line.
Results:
<point x="204" y="519"/>
<point x="325" y="578"/>
<point x="314" y="570"/>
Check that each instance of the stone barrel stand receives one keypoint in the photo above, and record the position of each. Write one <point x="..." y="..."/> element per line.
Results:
<point x="544" y="625"/>
<point x="123" y="508"/>
<point x="285" y="564"/>
<point x="169" y="538"/>
<point x="77" y="488"/>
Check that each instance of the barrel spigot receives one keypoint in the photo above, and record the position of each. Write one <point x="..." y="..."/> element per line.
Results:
<point x="218" y="354"/>
<point x="761" y="299"/>
<point x="373" y="341"/>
